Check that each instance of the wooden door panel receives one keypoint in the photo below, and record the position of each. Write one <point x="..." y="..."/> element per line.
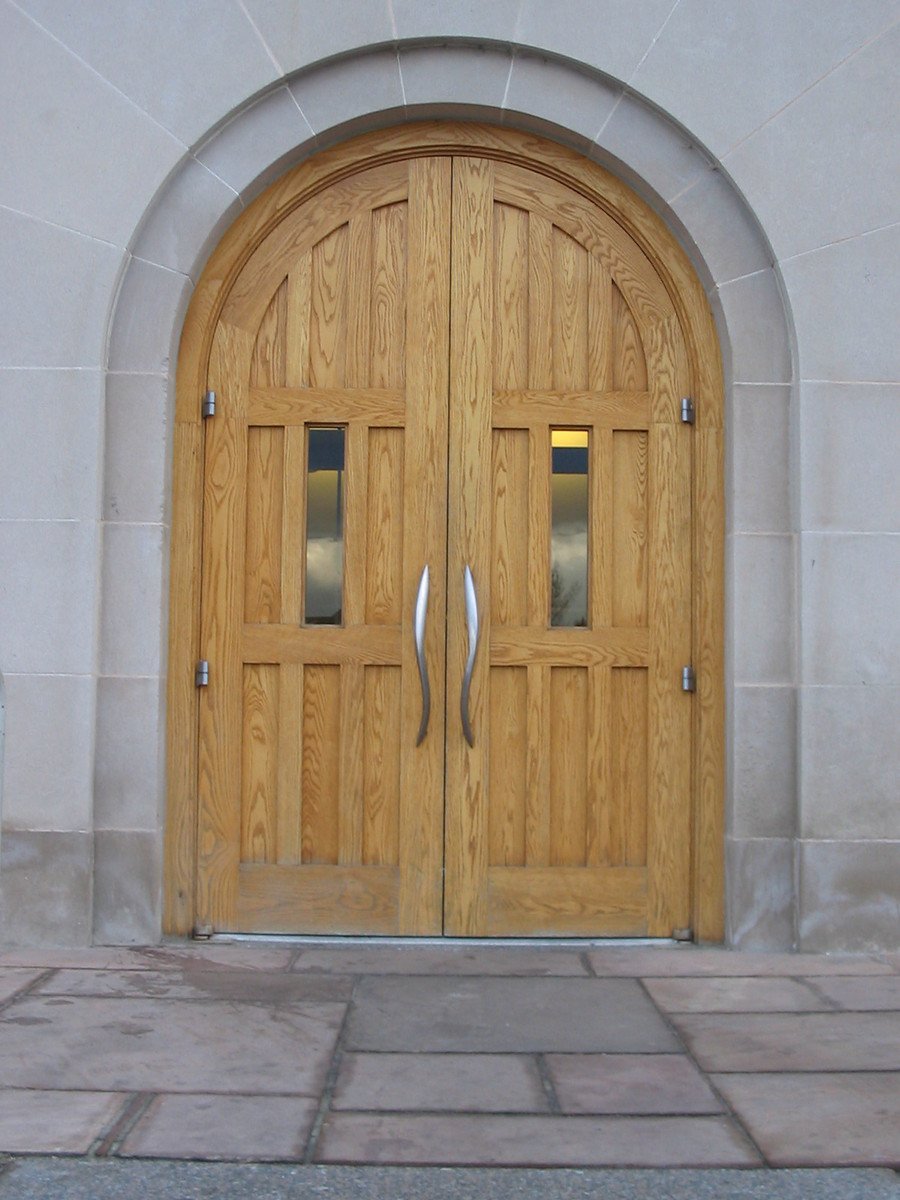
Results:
<point x="568" y="813"/>
<point x="309" y="768"/>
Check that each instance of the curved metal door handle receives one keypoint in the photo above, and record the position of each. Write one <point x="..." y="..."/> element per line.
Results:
<point x="421" y="613"/>
<point x="472" y="627"/>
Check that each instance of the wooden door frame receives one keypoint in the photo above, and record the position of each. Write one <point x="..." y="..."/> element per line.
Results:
<point x="708" y="496"/>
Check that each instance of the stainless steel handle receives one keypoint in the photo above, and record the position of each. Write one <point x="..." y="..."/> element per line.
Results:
<point x="421" y="614"/>
<point x="472" y="627"/>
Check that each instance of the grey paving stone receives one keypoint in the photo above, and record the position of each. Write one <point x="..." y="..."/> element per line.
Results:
<point x="191" y="983"/>
<point x="442" y="1082"/>
<point x="630" y="1083"/>
<point x="262" y="1128"/>
<point x="16" y="979"/>
<point x="533" y="1141"/>
<point x="736" y="994"/>
<point x="862" y="994"/>
<point x="49" y="1122"/>
<point x="166" y="1045"/>
<point x="512" y="1015"/>
<point x="793" y="1042"/>
<point x="442" y="960"/>
<point x="832" y="1119"/>
<point x="708" y="960"/>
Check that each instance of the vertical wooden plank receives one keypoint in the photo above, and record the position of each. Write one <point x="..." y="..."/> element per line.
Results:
<point x="320" y="764"/>
<point x="540" y="302"/>
<point x="630" y="494"/>
<point x="629" y="365"/>
<point x="538" y="502"/>
<point x="425" y="539"/>
<point x="290" y="777"/>
<point x="509" y="529"/>
<point x="669" y="708"/>
<point x="350" y="802"/>
<point x="507" y="768"/>
<point x="259" y="764"/>
<point x="600" y="790"/>
<point x="267" y="366"/>
<point x="297" y="318"/>
<point x="602" y="504"/>
<point x="385" y="523"/>
<point x="356" y="469"/>
<point x="537" y="794"/>
<point x="469" y="537"/>
<point x="328" y="311"/>
<point x="388" y="306"/>
<point x="381" y="760"/>
<point x="599" y="317"/>
<point x="570" y="313"/>
<point x="510" y="356"/>
<point x="629" y="709"/>
<point x="359" y="296"/>
<point x="265" y="497"/>
<point x="293" y="524"/>
<point x="224" y="507"/>
<point x="568" y="763"/>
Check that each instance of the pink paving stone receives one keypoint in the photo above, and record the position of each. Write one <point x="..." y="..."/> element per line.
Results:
<point x="829" y="1120"/>
<point x="534" y="1141"/>
<point x="449" y="1082"/>
<point x="630" y="1083"/>
<point x="442" y="960"/>
<point x="193" y="983"/>
<point x="256" y="1128"/>
<point x="703" y="960"/>
<point x="735" y="994"/>
<point x="16" y="979"/>
<point x="862" y="994"/>
<point x="865" y="1041"/>
<point x="48" y="1122"/>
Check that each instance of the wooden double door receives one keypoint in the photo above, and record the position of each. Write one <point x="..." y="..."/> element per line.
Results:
<point x="443" y="364"/>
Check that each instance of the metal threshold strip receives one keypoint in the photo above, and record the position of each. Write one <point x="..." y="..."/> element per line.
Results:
<point x="300" y="939"/>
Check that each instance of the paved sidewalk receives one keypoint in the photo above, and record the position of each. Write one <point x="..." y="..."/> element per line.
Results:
<point x="450" y="1055"/>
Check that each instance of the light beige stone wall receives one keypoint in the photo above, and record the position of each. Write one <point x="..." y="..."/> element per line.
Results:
<point x="764" y="132"/>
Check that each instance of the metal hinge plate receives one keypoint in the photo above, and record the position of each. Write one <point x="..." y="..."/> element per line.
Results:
<point x="688" y="680"/>
<point x="201" y="674"/>
<point x="682" y="935"/>
<point x="202" y="931"/>
<point x="688" y="412"/>
<point x="208" y="405"/>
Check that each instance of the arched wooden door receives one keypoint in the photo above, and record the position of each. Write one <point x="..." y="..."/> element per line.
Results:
<point x="447" y="477"/>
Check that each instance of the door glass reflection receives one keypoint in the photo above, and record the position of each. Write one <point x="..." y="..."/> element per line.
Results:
<point x="324" y="526"/>
<point x="569" y="527"/>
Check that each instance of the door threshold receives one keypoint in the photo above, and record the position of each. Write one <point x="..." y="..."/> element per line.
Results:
<point x="303" y="939"/>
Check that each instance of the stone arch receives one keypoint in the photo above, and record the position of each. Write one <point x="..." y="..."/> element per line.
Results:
<point x="559" y="99"/>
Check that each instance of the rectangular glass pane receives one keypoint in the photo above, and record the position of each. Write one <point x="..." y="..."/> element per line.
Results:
<point x="324" y="526"/>
<point x="569" y="527"/>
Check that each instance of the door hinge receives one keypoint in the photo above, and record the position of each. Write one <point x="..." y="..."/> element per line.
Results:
<point x="202" y="931"/>
<point x="688" y="680"/>
<point x="682" y="935"/>
<point x="208" y="405"/>
<point x="201" y="674"/>
<point x="688" y="412"/>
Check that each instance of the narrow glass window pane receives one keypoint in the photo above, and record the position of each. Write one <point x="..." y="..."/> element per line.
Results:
<point x="324" y="526"/>
<point x="569" y="527"/>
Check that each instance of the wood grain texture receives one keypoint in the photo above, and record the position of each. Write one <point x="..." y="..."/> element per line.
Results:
<point x="259" y="765"/>
<point x="573" y="901"/>
<point x="360" y="900"/>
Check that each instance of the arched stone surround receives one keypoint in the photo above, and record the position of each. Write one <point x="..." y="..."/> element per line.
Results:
<point x="684" y="183"/>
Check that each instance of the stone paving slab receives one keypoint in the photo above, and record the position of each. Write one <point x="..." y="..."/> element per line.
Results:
<point x="166" y="1045"/>
<point x="698" y="960"/>
<point x="833" y="1119"/>
<point x="440" y="1082"/>
<point x="252" y="956"/>
<point x="630" y="1083"/>
<point x="111" y="1179"/>
<point x="16" y="979"/>
<point x="533" y="1141"/>
<point x="54" y="1122"/>
<point x="512" y="1015"/>
<point x="736" y="994"/>
<point x="260" y="987"/>
<point x="793" y="1042"/>
<point x="262" y="1128"/>
<point x="443" y="960"/>
<point x="862" y="994"/>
